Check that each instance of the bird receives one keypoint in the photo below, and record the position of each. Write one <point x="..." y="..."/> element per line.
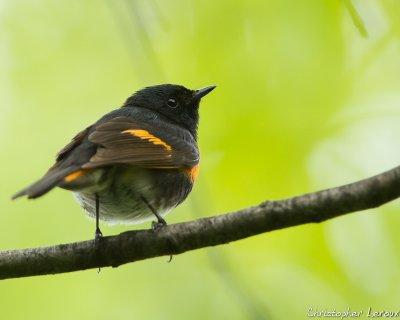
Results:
<point x="135" y="163"/>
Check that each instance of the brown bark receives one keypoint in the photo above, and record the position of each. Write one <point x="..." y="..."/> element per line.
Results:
<point x="178" y="238"/>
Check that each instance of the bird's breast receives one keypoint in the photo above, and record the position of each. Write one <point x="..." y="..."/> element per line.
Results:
<point x="122" y="199"/>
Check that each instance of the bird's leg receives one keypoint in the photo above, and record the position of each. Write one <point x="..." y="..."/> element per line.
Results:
<point x="98" y="234"/>
<point x="160" y="221"/>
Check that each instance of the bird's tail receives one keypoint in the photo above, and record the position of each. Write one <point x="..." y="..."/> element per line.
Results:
<point x="50" y="180"/>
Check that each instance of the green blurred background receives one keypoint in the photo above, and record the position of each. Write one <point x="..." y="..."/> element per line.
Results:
<point x="308" y="97"/>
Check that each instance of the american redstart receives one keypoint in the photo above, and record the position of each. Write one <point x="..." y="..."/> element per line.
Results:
<point x="136" y="162"/>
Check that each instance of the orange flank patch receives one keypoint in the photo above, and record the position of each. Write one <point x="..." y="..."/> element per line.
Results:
<point x="145" y="135"/>
<point x="74" y="175"/>
<point x="193" y="172"/>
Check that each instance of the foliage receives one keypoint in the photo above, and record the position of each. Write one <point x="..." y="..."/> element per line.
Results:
<point x="307" y="98"/>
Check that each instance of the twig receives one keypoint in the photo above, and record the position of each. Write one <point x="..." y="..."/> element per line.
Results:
<point x="356" y="18"/>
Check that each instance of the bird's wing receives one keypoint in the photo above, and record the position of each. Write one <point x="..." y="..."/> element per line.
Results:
<point x="76" y="141"/>
<point x="119" y="140"/>
<point x="125" y="141"/>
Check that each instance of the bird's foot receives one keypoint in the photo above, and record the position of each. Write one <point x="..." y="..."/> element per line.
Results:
<point x="159" y="224"/>
<point x="98" y="235"/>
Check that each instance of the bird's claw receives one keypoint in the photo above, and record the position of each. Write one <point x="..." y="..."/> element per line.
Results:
<point x="98" y="235"/>
<point x="159" y="224"/>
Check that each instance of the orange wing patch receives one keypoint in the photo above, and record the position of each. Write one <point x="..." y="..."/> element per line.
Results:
<point x="145" y="135"/>
<point x="74" y="175"/>
<point x="193" y="172"/>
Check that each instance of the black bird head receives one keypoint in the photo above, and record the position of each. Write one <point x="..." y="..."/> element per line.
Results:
<point x="177" y="103"/>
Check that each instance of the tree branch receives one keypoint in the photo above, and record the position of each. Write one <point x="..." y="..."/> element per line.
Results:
<point x="178" y="238"/>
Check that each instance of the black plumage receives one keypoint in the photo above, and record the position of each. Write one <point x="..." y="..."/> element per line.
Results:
<point x="135" y="160"/>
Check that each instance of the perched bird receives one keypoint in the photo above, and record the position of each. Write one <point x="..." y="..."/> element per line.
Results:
<point x="136" y="162"/>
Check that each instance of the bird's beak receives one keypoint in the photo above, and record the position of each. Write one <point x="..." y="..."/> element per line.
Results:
<point x="200" y="93"/>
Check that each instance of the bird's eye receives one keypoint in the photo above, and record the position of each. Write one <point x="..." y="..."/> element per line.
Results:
<point x="172" y="103"/>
